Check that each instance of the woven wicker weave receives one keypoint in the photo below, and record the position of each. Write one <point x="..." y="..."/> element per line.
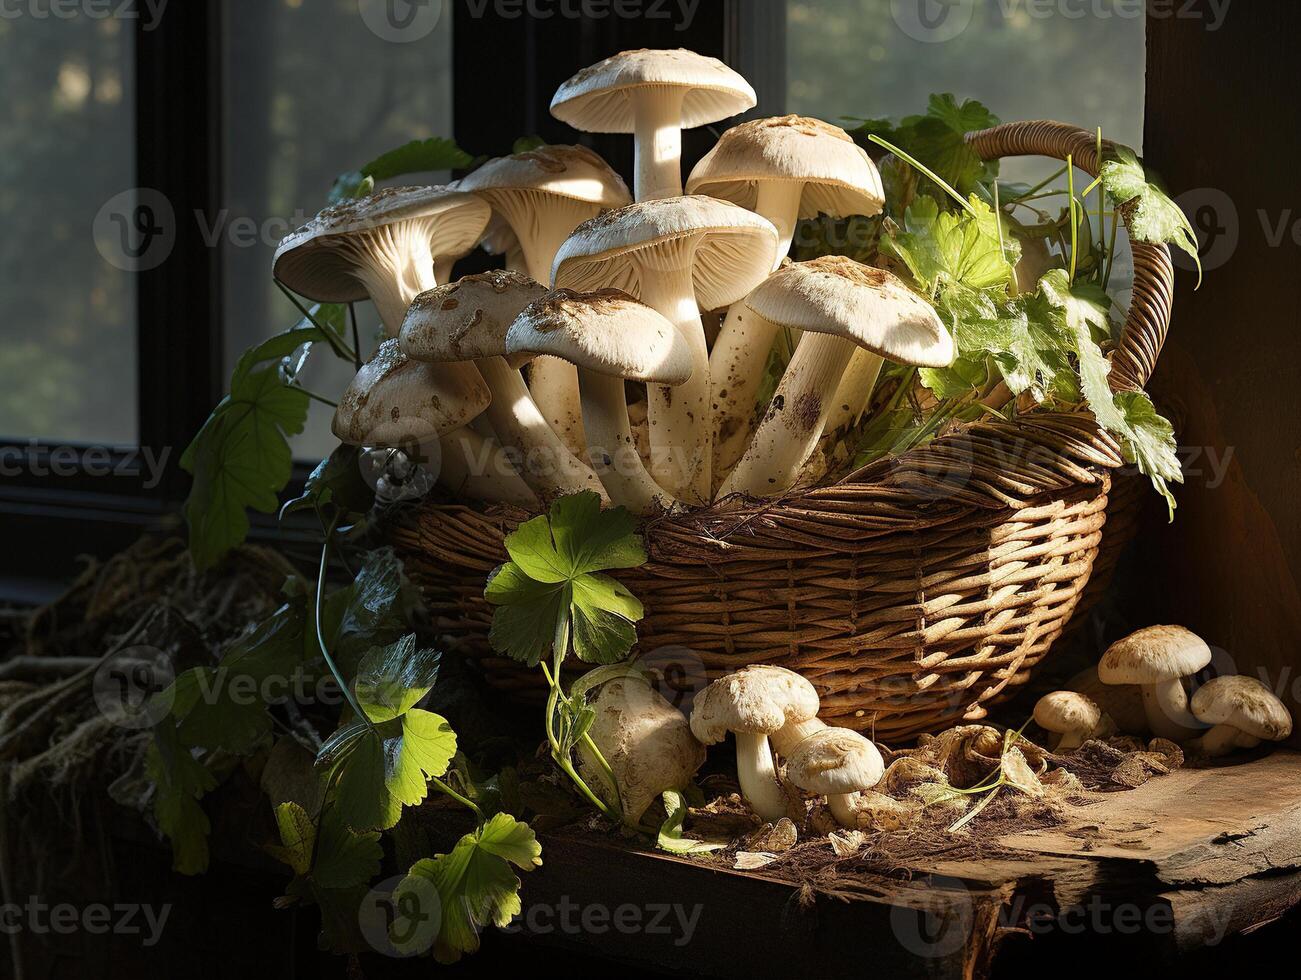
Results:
<point x="913" y="594"/>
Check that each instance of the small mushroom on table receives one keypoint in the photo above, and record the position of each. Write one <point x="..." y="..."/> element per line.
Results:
<point x="838" y="763"/>
<point x="754" y="703"/>
<point x="1157" y="659"/>
<point x="1243" y="711"/>
<point x="611" y="338"/>
<point x="646" y="741"/>
<point x="841" y="305"/>
<point x="1071" y="716"/>
<point x="468" y="320"/>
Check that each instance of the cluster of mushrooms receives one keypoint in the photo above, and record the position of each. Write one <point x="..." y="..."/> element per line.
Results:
<point x="601" y="303"/>
<point x="1142" y="683"/>
<point x="651" y="747"/>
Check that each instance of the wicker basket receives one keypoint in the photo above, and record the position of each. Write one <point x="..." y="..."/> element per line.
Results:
<point x="913" y="594"/>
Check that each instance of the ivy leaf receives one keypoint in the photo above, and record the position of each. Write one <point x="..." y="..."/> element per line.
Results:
<point x="554" y="577"/>
<point x="942" y="248"/>
<point x="936" y="139"/>
<point x="1153" y="217"/>
<point x="475" y="884"/>
<point x="337" y="481"/>
<point x="670" y="837"/>
<point x="180" y="781"/>
<point x="387" y="764"/>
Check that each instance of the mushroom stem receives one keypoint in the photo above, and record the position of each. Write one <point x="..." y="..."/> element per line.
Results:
<point x="472" y="467"/>
<point x="741" y="350"/>
<point x="842" y="808"/>
<point x="1069" y="740"/>
<point x="1166" y="704"/>
<point x="657" y="143"/>
<point x="1223" y="739"/>
<point x="680" y="442"/>
<point x="611" y="448"/>
<point x="793" y="423"/>
<point x="553" y="381"/>
<point x="785" y="739"/>
<point x="852" y="395"/>
<point x="545" y="463"/>
<point x="758" y="776"/>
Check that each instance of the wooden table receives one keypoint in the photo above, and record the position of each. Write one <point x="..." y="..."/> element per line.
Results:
<point x="1179" y="863"/>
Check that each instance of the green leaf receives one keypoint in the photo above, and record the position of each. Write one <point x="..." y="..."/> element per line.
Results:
<point x="180" y="781"/>
<point x="944" y="248"/>
<point x="297" y="838"/>
<point x="554" y="576"/>
<point x="670" y="837"/>
<point x="1153" y="217"/>
<point x="392" y="679"/>
<point x="418" y="156"/>
<point x="336" y="480"/>
<point x="345" y="859"/>
<point x="935" y="139"/>
<point x="474" y="883"/>
<point x="375" y="610"/>
<point x="527" y="143"/>
<point x="1149" y="442"/>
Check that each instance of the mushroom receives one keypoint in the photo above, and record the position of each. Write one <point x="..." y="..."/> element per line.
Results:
<point x="382" y="247"/>
<point x="399" y="403"/>
<point x="1072" y="716"/>
<point x="784" y="168"/>
<point x="840" y="304"/>
<point x="654" y="95"/>
<point x="677" y="256"/>
<point x="468" y="320"/>
<point x="754" y="703"/>
<point x="1157" y="659"/>
<point x="644" y="739"/>
<point x="838" y="763"/>
<point x="540" y="196"/>
<point x="1243" y="711"/>
<point x="611" y="338"/>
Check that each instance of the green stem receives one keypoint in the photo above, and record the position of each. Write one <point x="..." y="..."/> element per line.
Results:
<point x="313" y="395"/>
<point x="320" y="634"/>
<point x="338" y="346"/>
<point x="465" y="801"/>
<point x="1070" y="186"/>
<point x="962" y="202"/>
<point x="356" y="337"/>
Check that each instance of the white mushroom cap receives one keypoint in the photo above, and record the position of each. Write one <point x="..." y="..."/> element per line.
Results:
<point x="596" y="99"/>
<point x="573" y="172"/>
<point x="468" y="319"/>
<point x="872" y="308"/>
<point x="756" y="700"/>
<point x="835" y="761"/>
<point x="734" y="248"/>
<point x="316" y="262"/>
<point x="1246" y="704"/>
<point x="1067" y="712"/>
<point x="838" y="176"/>
<point x="1154" y="654"/>
<point x="606" y="331"/>
<point x="395" y="401"/>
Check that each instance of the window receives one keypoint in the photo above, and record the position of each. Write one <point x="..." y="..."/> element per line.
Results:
<point x="312" y="90"/>
<point x="67" y="245"/>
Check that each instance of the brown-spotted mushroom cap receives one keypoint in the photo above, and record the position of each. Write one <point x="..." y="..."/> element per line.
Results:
<point x="606" y="331"/>
<point x="835" y="761"/>
<point x="468" y="319"/>
<point x="395" y="401"/>
<point x="835" y="175"/>
<point x="1153" y="654"/>
<point x="1244" y="703"/>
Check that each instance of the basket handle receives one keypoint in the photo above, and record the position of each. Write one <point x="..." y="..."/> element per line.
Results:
<point x="1148" y="321"/>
